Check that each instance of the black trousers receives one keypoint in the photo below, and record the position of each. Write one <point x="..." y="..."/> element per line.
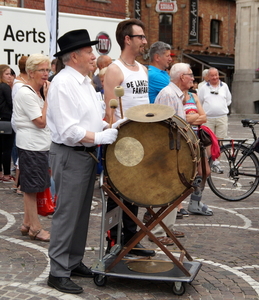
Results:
<point x="129" y="226"/>
<point x="6" y="146"/>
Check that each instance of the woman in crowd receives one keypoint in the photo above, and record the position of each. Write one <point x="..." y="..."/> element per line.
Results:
<point x="6" y="140"/>
<point x="19" y="81"/>
<point x="195" y="116"/>
<point x="33" y="142"/>
<point x="22" y="78"/>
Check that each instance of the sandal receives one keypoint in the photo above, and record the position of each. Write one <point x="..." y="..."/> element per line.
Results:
<point x="19" y="192"/>
<point x="184" y="212"/>
<point x="14" y="188"/>
<point x="34" y="236"/>
<point x="24" y="229"/>
<point x="164" y="240"/>
<point x="8" y="179"/>
<point x="178" y="234"/>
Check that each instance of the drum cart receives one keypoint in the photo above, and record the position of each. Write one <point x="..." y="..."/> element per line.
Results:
<point x="152" y="164"/>
<point x="118" y="264"/>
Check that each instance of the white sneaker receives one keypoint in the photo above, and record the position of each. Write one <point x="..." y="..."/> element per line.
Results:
<point x="216" y="168"/>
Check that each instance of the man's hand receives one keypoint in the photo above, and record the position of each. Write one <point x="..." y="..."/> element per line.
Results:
<point x="117" y="123"/>
<point x="107" y="136"/>
<point x="45" y="89"/>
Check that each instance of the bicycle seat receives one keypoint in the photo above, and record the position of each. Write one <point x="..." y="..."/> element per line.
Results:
<point x="249" y="122"/>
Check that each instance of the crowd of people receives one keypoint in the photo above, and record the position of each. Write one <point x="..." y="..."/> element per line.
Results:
<point x="60" y="115"/>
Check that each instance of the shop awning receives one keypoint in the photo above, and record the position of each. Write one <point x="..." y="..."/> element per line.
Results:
<point x="215" y="61"/>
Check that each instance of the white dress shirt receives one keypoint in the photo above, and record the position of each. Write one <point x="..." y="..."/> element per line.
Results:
<point x="73" y="108"/>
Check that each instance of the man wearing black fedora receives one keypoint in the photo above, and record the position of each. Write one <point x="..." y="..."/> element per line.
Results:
<point x="75" y="119"/>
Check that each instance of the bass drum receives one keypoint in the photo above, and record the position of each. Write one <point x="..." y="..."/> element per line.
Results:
<point x="141" y="167"/>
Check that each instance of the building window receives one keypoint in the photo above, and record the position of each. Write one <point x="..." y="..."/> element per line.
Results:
<point x="165" y="28"/>
<point x="214" y="32"/>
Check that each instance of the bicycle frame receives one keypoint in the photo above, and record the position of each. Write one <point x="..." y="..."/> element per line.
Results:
<point x="232" y="156"/>
<point x="239" y="165"/>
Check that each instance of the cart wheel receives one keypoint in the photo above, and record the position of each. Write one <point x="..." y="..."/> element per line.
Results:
<point x="178" y="288"/>
<point x="100" y="280"/>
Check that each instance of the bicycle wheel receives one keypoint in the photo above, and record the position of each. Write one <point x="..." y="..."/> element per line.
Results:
<point x="240" y="176"/>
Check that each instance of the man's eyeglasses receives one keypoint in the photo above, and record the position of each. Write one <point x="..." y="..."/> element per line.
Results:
<point x="43" y="70"/>
<point x="140" y="36"/>
<point x="214" y="92"/>
<point x="190" y="74"/>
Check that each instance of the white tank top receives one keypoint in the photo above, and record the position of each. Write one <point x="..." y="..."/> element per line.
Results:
<point x="135" y="85"/>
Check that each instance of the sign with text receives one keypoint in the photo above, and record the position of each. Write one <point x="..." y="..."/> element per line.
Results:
<point x="137" y="9"/>
<point x="166" y="6"/>
<point x="31" y="34"/>
<point x="194" y="20"/>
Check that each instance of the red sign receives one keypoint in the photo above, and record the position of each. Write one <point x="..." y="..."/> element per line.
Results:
<point x="166" y="6"/>
<point x="104" y="45"/>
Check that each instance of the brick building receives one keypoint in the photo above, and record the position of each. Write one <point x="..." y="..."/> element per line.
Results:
<point x="201" y="32"/>
<point x="101" y="8"/>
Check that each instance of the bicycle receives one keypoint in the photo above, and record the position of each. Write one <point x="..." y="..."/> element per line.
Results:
<point x="240" y="167"/>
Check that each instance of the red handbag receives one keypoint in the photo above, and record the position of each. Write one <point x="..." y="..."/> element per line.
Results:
<point x="44" y="203"/>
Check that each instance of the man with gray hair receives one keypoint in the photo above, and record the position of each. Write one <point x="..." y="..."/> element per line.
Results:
<point x="181" y="77"/>
<point x="158" y="78"/>
<point x="205" y="78"/>
<point x="160" y="59"/>
<point x="215" y="98"/>
<point x="75" y="119"/>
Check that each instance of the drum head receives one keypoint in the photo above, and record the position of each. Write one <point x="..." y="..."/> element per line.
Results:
<point x="142" y="169"/>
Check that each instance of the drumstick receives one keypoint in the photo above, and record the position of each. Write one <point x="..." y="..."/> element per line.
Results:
<point x="119" y="92"/>
<point x="113" y="105"/>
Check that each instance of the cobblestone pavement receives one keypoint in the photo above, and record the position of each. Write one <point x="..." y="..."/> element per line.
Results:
<point x="226" y="244"/>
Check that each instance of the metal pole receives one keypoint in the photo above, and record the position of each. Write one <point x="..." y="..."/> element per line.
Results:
<point x="57" y="26"/>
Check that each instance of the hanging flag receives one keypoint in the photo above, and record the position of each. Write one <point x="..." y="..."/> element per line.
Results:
<point x="51" y="8"/>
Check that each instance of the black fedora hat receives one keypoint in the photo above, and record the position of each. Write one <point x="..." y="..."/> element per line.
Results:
<point x="74" y="40"/>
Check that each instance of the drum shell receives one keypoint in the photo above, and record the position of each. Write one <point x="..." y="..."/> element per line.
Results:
<point x="189" y="134"/>
<point x="142" y="169"/>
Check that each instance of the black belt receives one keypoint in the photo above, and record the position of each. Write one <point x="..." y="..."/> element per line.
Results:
<point x="85" y="149"/>
<point x="80" y="148"/>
